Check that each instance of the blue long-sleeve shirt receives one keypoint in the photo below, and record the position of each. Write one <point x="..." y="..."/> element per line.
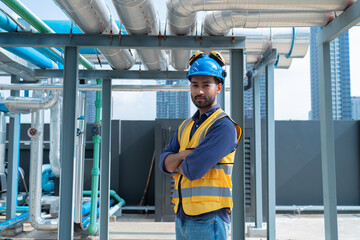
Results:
<point x="220" y="140"/>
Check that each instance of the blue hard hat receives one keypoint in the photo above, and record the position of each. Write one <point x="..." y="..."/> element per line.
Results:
<point x="207" y="66"/>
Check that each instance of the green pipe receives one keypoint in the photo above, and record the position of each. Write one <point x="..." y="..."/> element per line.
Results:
<point x="113" y="194"/>
<point x="95" y="172"/>
<point x="37" y="23"/>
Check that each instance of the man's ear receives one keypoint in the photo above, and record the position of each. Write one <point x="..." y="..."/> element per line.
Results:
<point x="219" y="87"/>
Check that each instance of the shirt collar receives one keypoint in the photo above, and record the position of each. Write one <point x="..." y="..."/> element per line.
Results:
<point x="210" y="111"/>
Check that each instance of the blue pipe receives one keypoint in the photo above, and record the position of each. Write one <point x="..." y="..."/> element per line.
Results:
<point x="86" y="220"/>
<point x="14" y="221"/>
<point x="9" y="25"/>
<point x="47" y="184"/>
<point x="18" y="209"/>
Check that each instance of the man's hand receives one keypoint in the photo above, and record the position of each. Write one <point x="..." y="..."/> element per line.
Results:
<point x="173" y="161"/>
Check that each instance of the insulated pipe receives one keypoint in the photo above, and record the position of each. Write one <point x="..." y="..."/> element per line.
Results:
<point x="94" y="16"/>
<point x="36" y="22"/>
<point x="36" y="133"/>
<point x="24" y="104"/>
<point x="220" y="22"/>
<point x="80" y="157"/>
<point x="140" y="18"/>
<point x="2" y="141"/>
<point x="55" y="133"/>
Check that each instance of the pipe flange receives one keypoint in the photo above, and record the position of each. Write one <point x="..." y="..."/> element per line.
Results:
<point x="33" y="132"/>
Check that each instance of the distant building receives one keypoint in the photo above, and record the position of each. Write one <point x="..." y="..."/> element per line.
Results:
<point x="248" y="99"/>
<point x="173" y="104"/>
<point x="340" y="76"/>
<point x="355" y="102"/>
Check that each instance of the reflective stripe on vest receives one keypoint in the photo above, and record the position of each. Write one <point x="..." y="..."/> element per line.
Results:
<point x="204" y="191"/>
<point x="226" y="167"/>
<point x="202" y="136"/>
<point x="183" y="126"/>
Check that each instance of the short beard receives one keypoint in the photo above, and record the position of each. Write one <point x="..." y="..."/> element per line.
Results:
<point x="208" y="102"/>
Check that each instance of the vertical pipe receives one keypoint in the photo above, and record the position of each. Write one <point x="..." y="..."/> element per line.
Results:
<point x="105" y="160"/>
<point x="80" y="152"/>
<point x="66" y="217"/>
<point x="270" y="149"/>
<point x="95" y="172"/>
<point x="2" y="142"/>
<point x="257" y="152"/>
<point x="237" y="114"/>
<point x="327" y="143"/>
<point x="13" y="159"/>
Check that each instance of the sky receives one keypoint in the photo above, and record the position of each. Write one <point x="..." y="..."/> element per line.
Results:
<point x="292" y="86"/>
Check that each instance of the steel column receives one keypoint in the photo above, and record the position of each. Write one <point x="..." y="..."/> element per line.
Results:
<point x="105" y="160"/>
<point x="327" y="142"/>
<point x="66" y="213"/>
<point x="13" y="159"/>
<point x="270" y="149"/>
<point x="237" y="114"/>
<point x="221" y="98"/>
<point x="257" y="152"/>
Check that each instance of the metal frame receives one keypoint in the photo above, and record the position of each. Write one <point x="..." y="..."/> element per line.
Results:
<point x="346" y="20"/>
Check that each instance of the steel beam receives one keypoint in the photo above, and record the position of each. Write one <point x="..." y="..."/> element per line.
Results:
<point x="268" y="58"/>
<point x="257" y="152"/>
<point x="26" y="39"/>
<point x="66" y="213"/>
<point x="237" y="114"/>
<point x="270" y="149"/>
<point x="327" y="143"/>
<point x="13" y="159"/>
<point x="114" y="74"/>
<point x="105" y="160"/>
<point x="349" y="18"/>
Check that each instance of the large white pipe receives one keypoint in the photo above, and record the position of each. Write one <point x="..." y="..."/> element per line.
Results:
<point x="36" y="132"/>
<point x="139" y="17"/>
<point x="55" y="139"/>
<point x="94" y="16"/>
<point x="220" y="22"/>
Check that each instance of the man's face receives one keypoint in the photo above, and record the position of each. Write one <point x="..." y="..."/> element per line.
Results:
<point x="204" y="90"/>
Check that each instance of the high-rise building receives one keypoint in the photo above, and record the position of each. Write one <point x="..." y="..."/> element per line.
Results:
<point x="248" y="99"/>
<point x="340" y="76"/>
<point x="172" y="104"/>
<point x="355" y="102"/>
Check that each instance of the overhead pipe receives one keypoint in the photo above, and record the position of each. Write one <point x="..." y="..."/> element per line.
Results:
<point x="94" y="16"/>
<point x="220" y="22"/>
<point x="139" y="17"/>
<point x="10" y="25"/>
<point x="37" y="23"/>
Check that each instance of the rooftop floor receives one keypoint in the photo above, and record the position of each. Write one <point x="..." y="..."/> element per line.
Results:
<point x="288" y="227"/>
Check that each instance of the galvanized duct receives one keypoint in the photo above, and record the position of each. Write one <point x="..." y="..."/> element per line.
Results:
<point x="94" y="16"/>
<point x="282" y="62"/>
<point x="140" y="18"/>
<point x="220" y="22"/>
<point x="55" y="132"/>
<point x="36" y="133"/>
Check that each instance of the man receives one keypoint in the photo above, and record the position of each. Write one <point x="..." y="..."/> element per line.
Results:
<point x="202" y="152"/>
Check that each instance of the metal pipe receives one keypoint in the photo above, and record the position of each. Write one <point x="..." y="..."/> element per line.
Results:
<point x="94" y="16"/>
<point x="55" y="139"/>
<point x="25" y="104"/>
<point x="310" y="208"/>
<point x="80" y="157"/>
<point x="36" y="133"/>
<point x="2" y="141"/>
<point x="140" y="18"/>
<point x="36" y="22"/>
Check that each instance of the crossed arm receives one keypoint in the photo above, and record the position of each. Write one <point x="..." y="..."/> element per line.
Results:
<point x="173" y="161"/>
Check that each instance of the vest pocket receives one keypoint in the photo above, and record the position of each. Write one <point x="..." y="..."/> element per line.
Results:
<point x="207" y="188"/>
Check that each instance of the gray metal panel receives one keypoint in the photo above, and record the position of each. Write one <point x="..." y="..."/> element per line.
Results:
<point x="164" y="130"/>
<point x="137" y="148"/>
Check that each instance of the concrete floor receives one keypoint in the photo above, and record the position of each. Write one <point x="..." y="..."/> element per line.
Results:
<point x="288" y="227"/>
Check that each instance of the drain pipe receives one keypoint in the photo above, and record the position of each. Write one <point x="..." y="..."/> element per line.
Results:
<point x="36" y="22"/>
<point x="95" y="172"/>
<point x="36" y="133"/>
<point x="80" y="157"/>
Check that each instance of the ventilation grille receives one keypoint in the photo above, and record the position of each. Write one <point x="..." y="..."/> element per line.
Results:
<point x="247" y="163"/>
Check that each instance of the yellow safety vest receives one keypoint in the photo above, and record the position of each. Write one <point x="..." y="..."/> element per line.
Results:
<point x="214" y="190"/>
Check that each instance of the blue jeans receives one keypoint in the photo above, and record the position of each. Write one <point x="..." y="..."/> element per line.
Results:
<point x="213" y="228"/>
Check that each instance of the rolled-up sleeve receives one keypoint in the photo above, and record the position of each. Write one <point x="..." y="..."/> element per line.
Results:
<point x="172" y="148"/>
